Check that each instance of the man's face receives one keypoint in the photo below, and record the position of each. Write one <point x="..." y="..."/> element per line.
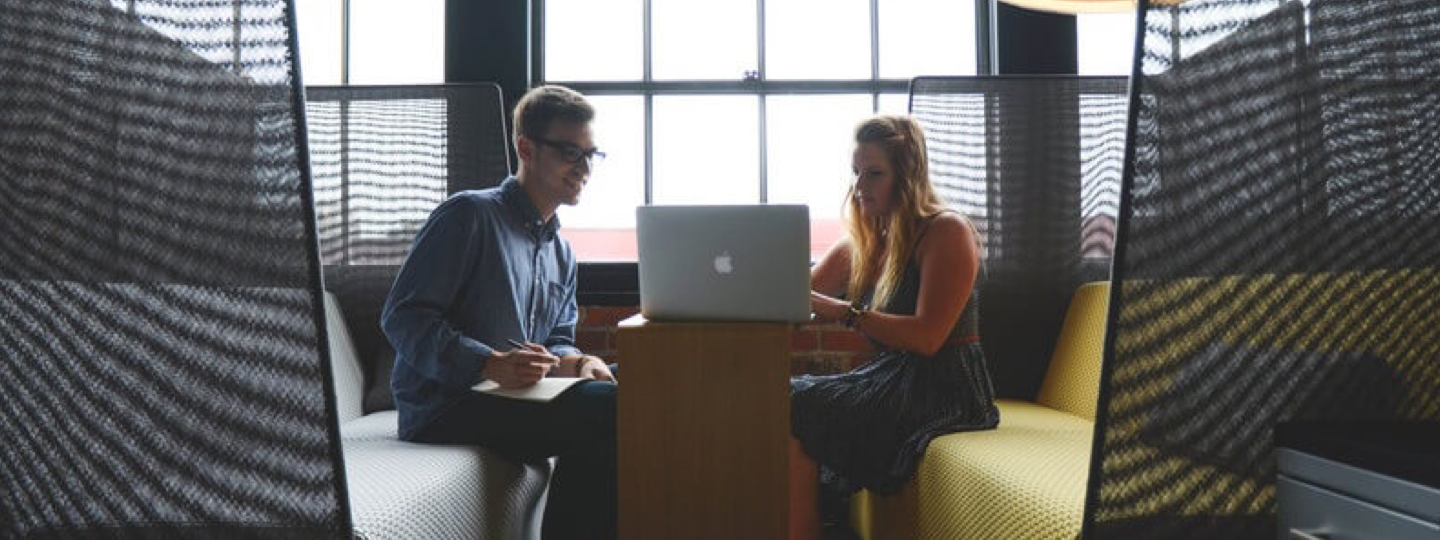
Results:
<point x="558" y="162"/>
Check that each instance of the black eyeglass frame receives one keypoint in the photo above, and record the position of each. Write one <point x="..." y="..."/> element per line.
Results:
<point x="570" y="153"/>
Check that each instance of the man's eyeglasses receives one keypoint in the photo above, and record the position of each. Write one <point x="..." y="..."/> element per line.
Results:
<point x="570" y="153"/>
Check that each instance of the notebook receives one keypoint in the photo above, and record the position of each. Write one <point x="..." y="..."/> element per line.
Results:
<point x="543" y="391"/>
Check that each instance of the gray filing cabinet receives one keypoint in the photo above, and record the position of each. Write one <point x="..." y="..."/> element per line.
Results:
<point x="1358" y="482"/>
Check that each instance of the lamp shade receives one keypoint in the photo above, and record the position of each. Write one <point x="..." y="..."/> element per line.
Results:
<point x="1076" y="6"/>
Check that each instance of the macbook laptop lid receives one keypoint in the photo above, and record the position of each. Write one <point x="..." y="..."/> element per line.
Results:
<point x="724" y="263"/>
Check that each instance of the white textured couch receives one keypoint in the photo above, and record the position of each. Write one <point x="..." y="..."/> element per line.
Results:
<point x="402" y="490"/>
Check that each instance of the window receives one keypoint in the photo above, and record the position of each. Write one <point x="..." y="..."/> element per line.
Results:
<point x="703" y="102"/>
<point x="371" y="41"/>
<point x="360" y="148"/>
<point x="1104" y="46"/>
<point x="1105" y="43"/>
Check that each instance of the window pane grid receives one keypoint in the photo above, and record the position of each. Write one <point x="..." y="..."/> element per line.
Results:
<point x="345" y="42"/>
<point x="767" y="80"/>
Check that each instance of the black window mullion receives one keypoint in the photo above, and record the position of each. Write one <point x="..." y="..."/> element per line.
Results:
<point x="875" y="82"/>
<point x="859" y="86"/>
<point x="646" y="77"/>
<point x="649" y="148"/>
<point x="537" y="42"/>
<point x="762" y="78"/>
<point x="764" y="168"/>
<point x="875" y="41"/>
<point x="345" y="42"/>
<point x="985" y="61"/>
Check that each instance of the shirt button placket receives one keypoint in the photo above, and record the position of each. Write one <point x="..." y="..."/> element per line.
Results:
<point x="536" y="293"/>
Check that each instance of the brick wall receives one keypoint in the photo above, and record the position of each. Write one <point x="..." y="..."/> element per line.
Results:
<point x="814" y="349"/>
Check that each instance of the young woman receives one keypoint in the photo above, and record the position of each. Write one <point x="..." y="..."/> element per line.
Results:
<point x="905" y="276"/>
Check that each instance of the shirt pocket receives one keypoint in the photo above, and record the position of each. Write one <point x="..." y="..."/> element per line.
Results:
<point x="555" y="302"/>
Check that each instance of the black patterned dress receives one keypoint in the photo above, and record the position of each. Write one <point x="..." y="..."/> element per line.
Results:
<point x="868" y="428"/>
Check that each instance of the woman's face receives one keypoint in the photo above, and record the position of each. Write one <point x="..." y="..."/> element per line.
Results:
<point x="874" y="179"/>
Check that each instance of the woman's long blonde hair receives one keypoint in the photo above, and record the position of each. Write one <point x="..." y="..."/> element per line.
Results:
<point x="913" y="201"/>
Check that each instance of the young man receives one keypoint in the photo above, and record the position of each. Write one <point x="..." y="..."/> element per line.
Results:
<point x="486" y="269"/>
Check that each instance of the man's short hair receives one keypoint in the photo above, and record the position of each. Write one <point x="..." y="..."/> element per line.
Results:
<point x="544" y="105"/>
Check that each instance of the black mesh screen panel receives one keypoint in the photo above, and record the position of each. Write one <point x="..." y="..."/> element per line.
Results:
<point x="1036" y="163"/>
<point x="1277" y="254"/>
<point x="163" y="368"/>
<point x="383" y="157"/>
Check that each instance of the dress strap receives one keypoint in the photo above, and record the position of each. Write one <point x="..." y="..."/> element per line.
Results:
<point x="925" y="228"/>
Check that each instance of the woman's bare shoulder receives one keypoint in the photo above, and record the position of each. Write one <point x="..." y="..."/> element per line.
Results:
<point x="951" y="225"/>
<point x="948" y="231"/>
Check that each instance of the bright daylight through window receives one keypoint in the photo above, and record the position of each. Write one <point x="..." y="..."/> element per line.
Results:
<point x="389" y="42"/>
<point x="734" y="103"/>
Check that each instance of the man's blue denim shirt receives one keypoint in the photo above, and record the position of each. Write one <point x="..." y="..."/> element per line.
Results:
<point x="485" y="268"/>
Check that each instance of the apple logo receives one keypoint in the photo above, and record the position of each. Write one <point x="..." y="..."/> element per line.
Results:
<point x="722" y="263"/>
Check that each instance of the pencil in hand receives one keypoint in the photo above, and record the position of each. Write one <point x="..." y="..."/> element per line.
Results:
<point x="522" y="346"/>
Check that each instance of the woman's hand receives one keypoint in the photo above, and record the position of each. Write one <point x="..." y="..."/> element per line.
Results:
<point x="827" y="309"/>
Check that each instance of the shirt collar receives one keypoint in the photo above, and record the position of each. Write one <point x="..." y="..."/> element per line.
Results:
<point x="514" y="196"/>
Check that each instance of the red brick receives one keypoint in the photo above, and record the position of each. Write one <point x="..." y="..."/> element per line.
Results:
<point x="592" y="328"/>
<point x="605" y="315"/>
<point x="817" y="364"/>
<point x="804" y="340"/>
<point x="844" y="341"/>
<point x="593" y="341"/>
<point x="857" y="359"/>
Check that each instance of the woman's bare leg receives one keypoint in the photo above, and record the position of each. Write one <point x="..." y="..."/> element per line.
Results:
<point x="804" y="494"/>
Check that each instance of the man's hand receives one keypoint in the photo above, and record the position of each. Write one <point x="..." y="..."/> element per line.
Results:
<point x="518" y="368"/>
<point x="594" y="368"/>
<point x="586" y="367"/>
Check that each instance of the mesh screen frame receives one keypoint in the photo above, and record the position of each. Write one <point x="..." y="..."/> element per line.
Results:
<point x="1235" y="264"/>
<point x="1035" y="162"/>
<point x="154" y="165"/>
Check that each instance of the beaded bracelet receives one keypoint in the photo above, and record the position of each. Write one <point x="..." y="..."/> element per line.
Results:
<point x="853" y="314"/>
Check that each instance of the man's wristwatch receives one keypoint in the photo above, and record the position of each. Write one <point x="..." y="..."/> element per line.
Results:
<point x="853" y="314"/>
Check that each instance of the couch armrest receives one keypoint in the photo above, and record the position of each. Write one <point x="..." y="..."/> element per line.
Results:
<point x="344" y="364"/>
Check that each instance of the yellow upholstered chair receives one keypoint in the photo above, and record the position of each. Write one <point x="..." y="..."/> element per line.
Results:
<point x="1024" y="479"/>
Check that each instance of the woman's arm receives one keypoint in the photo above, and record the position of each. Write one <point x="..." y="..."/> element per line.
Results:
<point x="949" y="263"/>
<point x="832" y="273"/>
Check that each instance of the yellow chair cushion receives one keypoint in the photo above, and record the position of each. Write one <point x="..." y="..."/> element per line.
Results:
<point x="1386" y="314"/>
<point x="1024" y="479"/>
<point x="1072" y="382"/>
<point x="1027" y="479"/>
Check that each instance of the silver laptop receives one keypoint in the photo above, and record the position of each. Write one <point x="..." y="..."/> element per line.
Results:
<point x="724" y="263"/>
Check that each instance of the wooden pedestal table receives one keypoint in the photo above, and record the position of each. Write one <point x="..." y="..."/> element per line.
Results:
<point x="704" y="429"/>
